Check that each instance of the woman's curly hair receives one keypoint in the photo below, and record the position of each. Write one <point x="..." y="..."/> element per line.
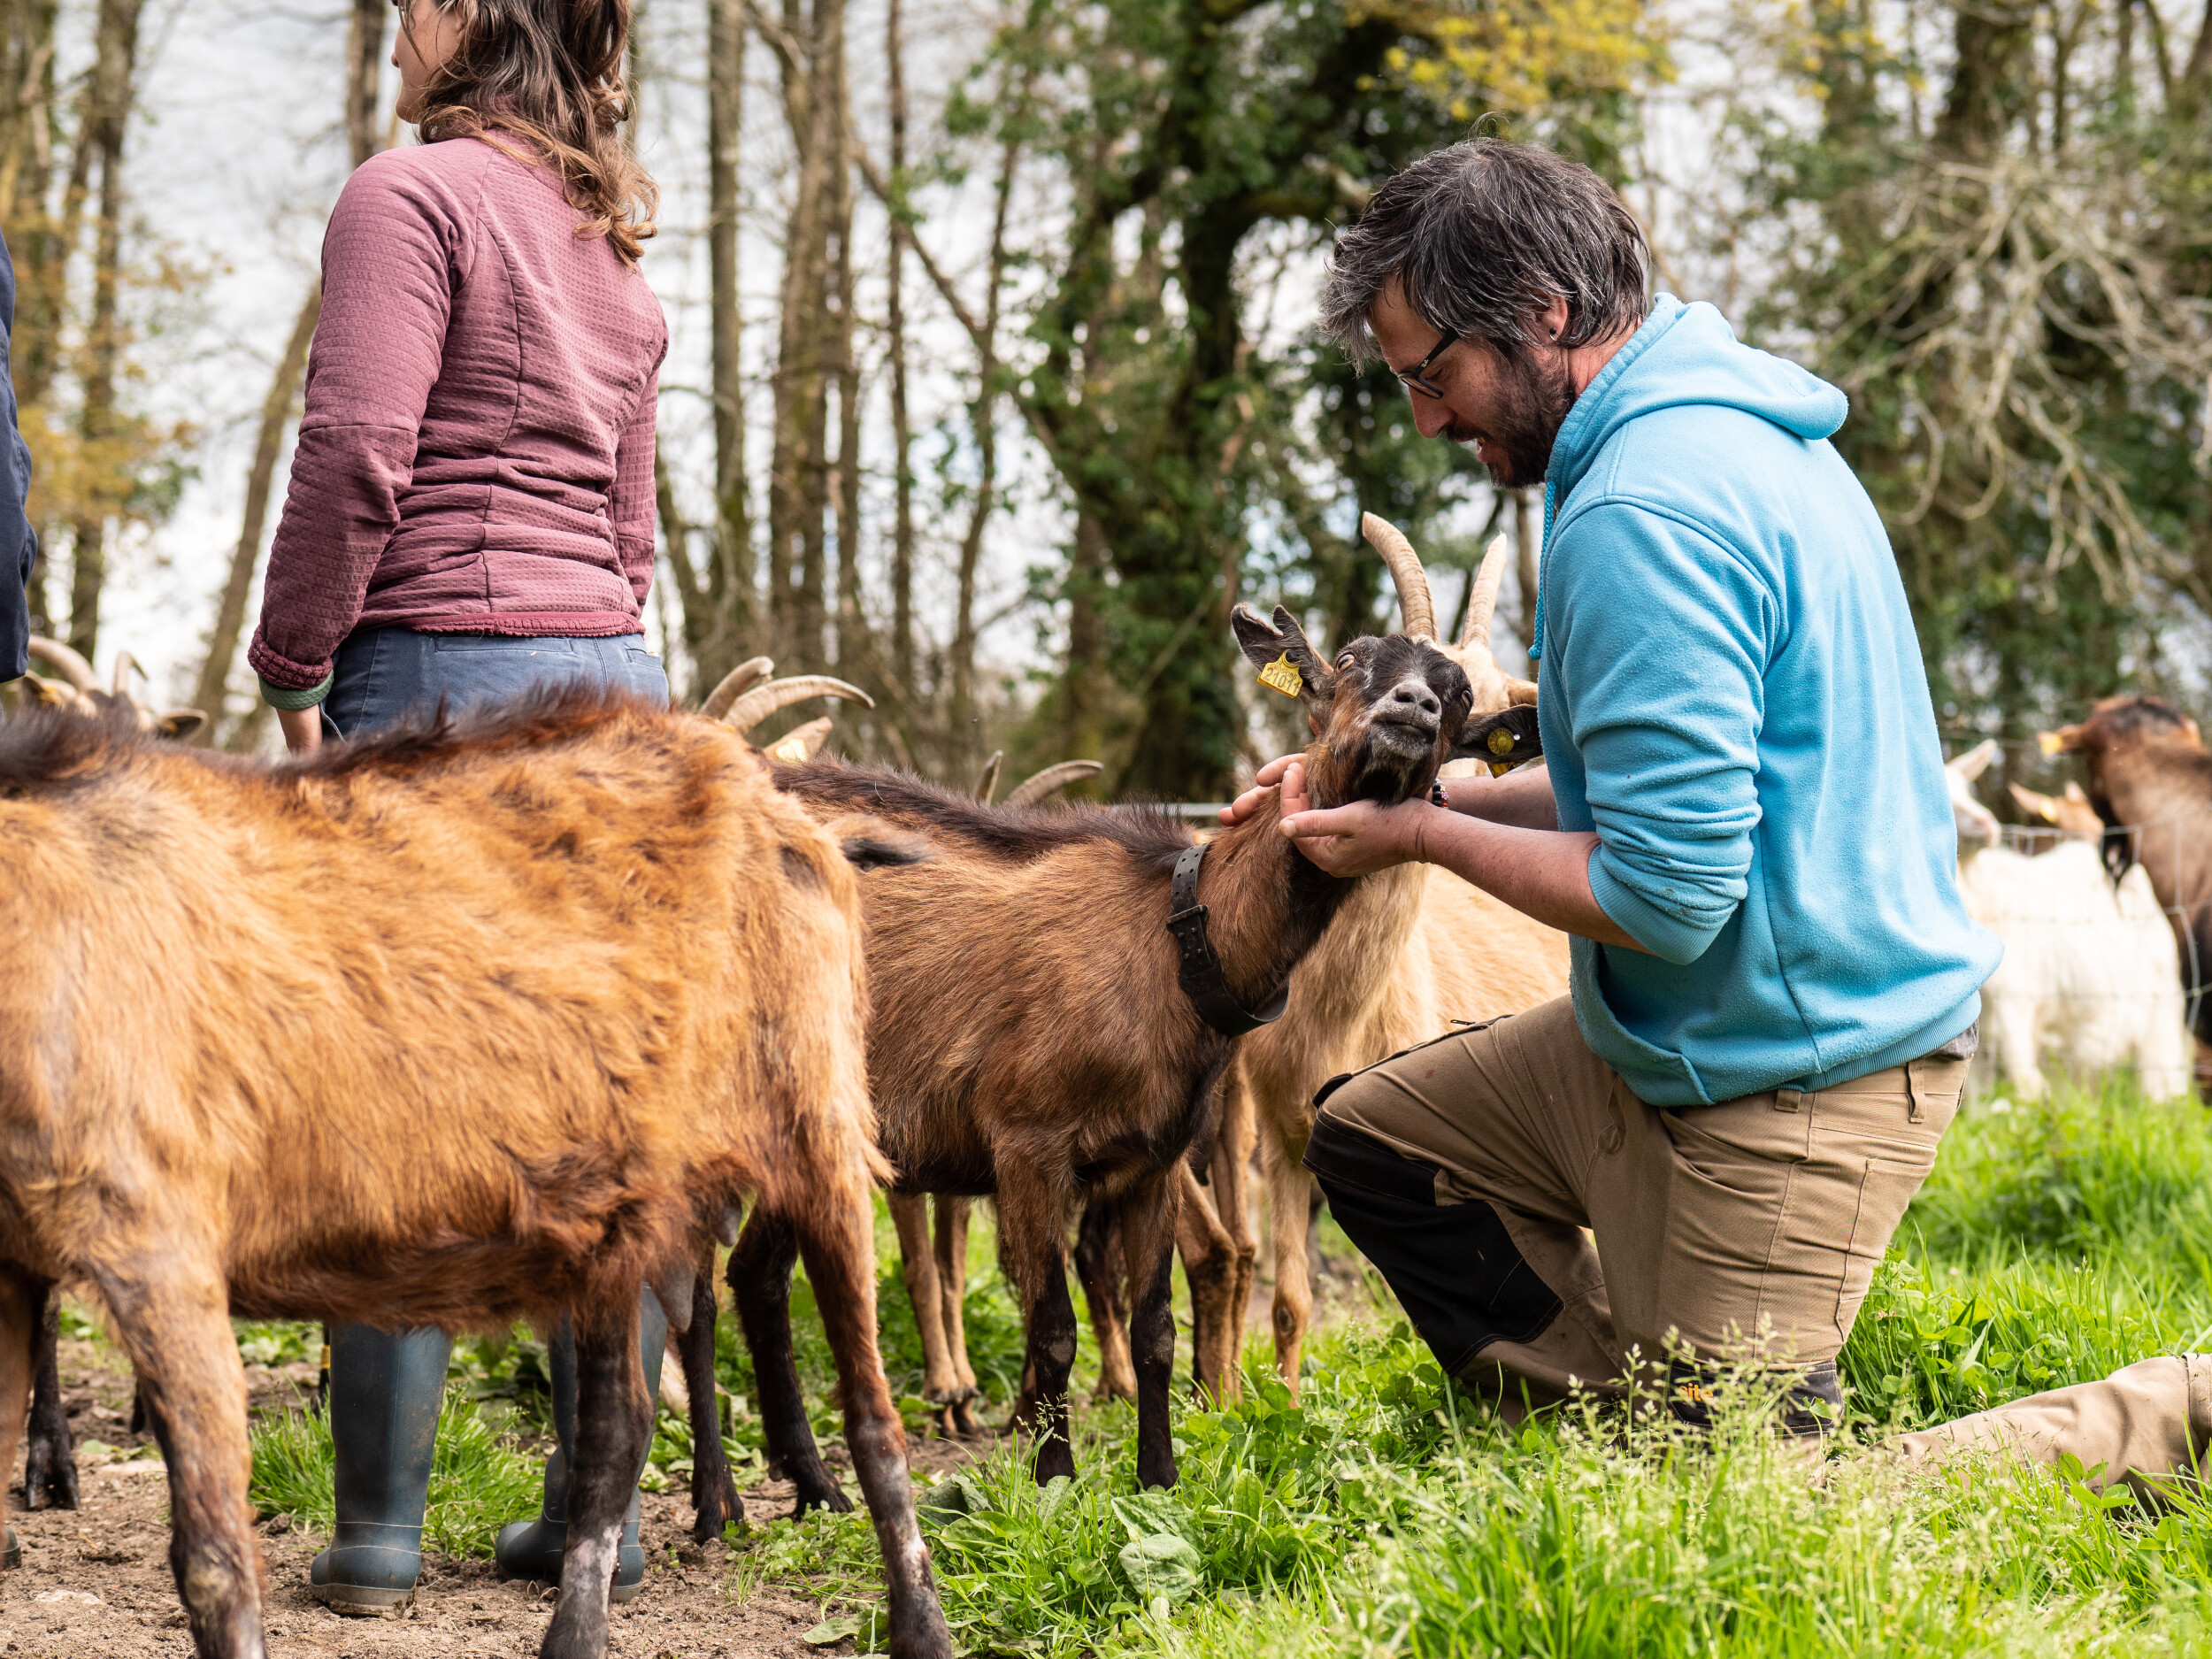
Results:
<point x="549" y="72"/>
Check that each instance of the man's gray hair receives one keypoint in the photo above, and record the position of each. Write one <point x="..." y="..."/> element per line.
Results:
<point x="1481" y="236"/>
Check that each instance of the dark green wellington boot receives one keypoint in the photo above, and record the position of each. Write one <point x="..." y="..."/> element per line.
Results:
<point x="385" y="1390"/>
<point x="532" y="1549"/>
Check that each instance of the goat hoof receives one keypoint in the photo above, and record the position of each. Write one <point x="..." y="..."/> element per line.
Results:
<point x="48" y="1483"/>
<point x="962" y="1417"/>
<point x="821" y="1495"/>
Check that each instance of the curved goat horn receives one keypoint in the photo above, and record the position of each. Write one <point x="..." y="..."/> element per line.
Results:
<point x="987" y="785"/>
<point x="126" y="665"/>
<point x="763" y="701"/>
<point x="1036" y="787"/>
<point x="74" y="668"/>
<point x="1415" y="609"/>
<point x="1483" y="600"/>
<point x="734" y="684"/>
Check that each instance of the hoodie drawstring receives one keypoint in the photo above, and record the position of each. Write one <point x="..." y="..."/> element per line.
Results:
<point x="1543" y="545"/>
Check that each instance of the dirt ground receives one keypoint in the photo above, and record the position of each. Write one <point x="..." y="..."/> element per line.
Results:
<point x="97" y="1580"/>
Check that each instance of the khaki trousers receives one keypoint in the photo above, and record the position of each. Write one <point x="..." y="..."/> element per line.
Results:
<point x="1472" y="1164"/>
<point x="1467" y="1170"/>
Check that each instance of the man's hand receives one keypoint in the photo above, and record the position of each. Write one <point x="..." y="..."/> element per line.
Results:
<point x="1357" y="839"/>
<point x="303" y="728"/>
<point x="1263" y="786"/>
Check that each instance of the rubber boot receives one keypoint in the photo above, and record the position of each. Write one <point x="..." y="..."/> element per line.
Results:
<point x="10" y="1548"/>
<point x="385" y="1391"/>
<point x="532" y="1549"/>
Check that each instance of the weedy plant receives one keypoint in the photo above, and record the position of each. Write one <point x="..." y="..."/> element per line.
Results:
<point x="479" y="1479"/>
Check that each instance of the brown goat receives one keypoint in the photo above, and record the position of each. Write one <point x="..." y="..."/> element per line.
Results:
<point x="936" y="1271"/>
<point x="1030" y="1037"/>
<point x="461" y="1024"/>
<point x="2150" y="781"/>
<point x="1412" y="949"/>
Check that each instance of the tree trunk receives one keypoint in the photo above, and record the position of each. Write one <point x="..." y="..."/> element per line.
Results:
<point x="722" y="629"/>
<point x="107" y="117"/>
<point x="894" y="318"/>
<point x="798" y="476"/>
<point x="963" y="735"/>
<point x="276" y="414"/>
<point x="365" y="58"/>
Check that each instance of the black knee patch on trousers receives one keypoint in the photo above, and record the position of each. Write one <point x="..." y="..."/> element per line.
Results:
<point x="1811" y="1405"/>
<point x="1454" y="1267"/>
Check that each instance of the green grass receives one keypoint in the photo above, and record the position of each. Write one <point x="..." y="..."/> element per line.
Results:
<point x="1386" y="1515"/>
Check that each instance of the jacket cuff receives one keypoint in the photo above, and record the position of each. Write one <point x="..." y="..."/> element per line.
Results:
<point x="289" y="699"/>
<point x="1666" y="936"/>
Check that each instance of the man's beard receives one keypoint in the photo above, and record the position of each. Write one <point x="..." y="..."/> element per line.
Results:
<point x="1535" y="397"/>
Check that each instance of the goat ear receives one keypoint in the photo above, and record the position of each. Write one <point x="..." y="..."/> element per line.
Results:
<point x="1520" y="694"/>
<point x="181" y="723"/>
<point x="2074" y="792"/>
<point x="1975" y="762"/>
<point x="802" y="743"/>
<point x="1266" y="644"/>
<point x="2065" y="741"/>
<point x="2189" y="726"/>
<point x="2041" y="805"/>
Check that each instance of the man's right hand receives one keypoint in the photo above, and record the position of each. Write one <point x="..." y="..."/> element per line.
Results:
<point x="1270" y="779"/>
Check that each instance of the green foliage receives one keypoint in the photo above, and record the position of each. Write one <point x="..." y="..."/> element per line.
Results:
<point x="478" y="1481"/>
<point x="1385" y="1514"/>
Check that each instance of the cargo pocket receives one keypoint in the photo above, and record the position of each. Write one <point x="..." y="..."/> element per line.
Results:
<point x="1885" y="1191"/>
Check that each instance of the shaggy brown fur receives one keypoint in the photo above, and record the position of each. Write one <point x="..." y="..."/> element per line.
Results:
<point x="2150" y="781"/>
<point x="458" y="1025"/>
<point x="1029" y="1037"/>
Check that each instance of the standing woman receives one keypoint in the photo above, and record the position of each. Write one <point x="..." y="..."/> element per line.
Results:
<point x="470" y="516"/>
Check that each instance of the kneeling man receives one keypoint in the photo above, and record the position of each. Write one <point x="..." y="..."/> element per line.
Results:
<point x="1742" y="820"/>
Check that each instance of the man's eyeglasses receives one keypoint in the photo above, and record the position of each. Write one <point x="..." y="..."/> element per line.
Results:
<point x="1418" y="376"/>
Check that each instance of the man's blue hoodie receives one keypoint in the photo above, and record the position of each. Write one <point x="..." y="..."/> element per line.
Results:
<point x="1732" y="696"/>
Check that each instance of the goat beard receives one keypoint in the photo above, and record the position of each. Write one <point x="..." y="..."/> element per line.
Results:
<point x="1535" y="398"/>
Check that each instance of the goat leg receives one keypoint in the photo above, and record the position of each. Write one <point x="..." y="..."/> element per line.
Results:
<point x="917" y="1268"/>
<point x="171" y="1310"/>
<point x="50" y="1466"/>
<point x="760" y="1280"/>
<point x="1209" y="1262"/>
<point x="1032" y="1241"/>
<point x="1289" y="1197"/>
<point x="1098" y="1265"/>
<point x="1147" y="1240"/>
<point x="714" y="1501"/>
<point x="614" y="1430"/>
<point x="20" y="1291"/>
<point x="952" y="1291"/>
<point x="840" y="1249"/>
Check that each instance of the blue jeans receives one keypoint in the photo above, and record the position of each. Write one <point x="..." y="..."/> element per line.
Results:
<point x="385" y="673"/>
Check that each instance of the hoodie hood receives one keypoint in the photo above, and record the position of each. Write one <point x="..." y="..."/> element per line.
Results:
<point x="1682" y="355"/>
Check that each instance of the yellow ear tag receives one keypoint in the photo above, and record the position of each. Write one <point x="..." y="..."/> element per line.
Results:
<point x="1498" y="768"/>
<point x="792" y="749"/>
<point x="1500" y="743"/>
<point x="1282" y="675"/>
<point x="2049" y="743"/>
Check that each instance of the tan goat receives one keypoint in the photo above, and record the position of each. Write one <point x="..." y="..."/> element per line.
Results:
<point x="461" y="1024"/>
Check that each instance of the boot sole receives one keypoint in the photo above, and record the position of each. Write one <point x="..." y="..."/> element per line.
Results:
<point x="353" y="1600"/>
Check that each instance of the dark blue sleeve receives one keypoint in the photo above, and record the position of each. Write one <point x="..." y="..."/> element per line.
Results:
<point x="18" y="546"/>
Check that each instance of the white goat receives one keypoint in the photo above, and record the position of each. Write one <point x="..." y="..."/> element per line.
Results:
<point x="2089" y="972"/>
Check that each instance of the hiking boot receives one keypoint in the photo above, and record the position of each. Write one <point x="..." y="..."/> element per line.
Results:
<point x="532" y="1549"/>
<point x="386" y="1387"/>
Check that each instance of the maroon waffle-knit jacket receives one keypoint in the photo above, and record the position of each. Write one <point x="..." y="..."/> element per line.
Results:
<point x="476" y="456"/>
